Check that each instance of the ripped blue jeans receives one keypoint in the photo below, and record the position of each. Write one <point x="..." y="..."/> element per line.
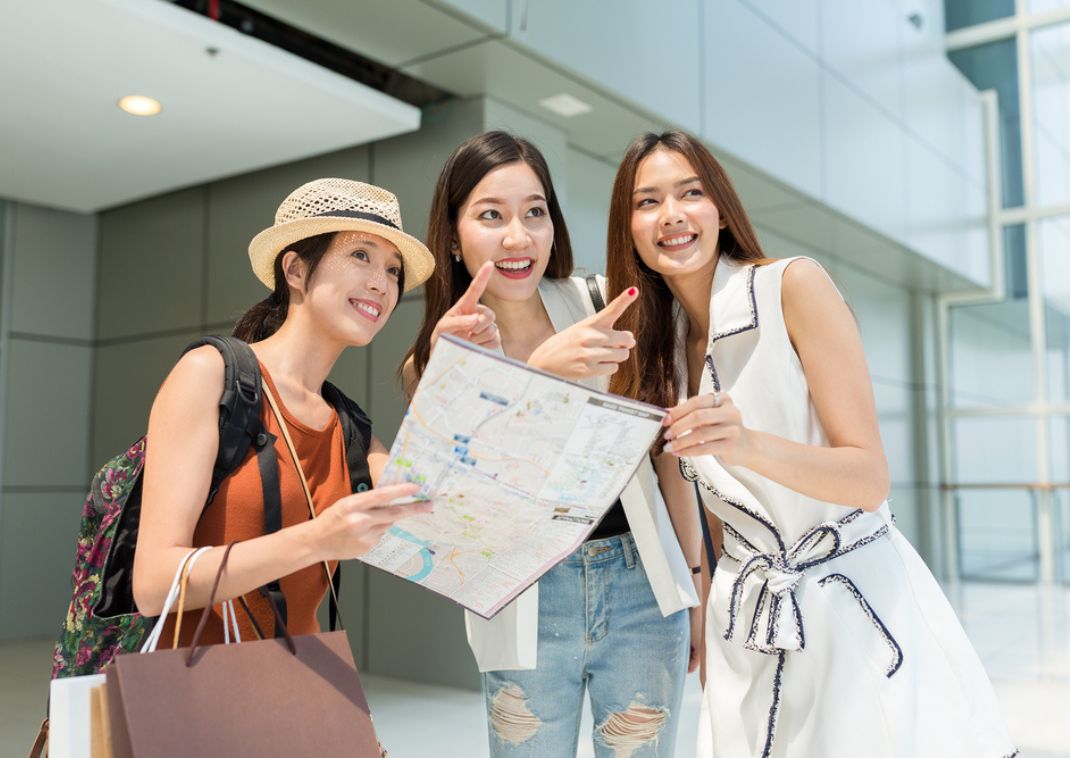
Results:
<point x="600" y="632"/>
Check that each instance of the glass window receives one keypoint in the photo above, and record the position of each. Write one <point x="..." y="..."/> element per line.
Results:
<point x="997" y="535"/>
<point x="1050" y="53"/>
<point x="963" y="13"/>
<point x="1042" y="6"/>
<point x="1053" y="246"/>
<point x="1062" y="534"/>
<point x="991" y="358"/>
<point x="1059" y="448"/>
<point x="993" y="449"/>
<point x="997" y="526"/>
<point x="995" y="66"/>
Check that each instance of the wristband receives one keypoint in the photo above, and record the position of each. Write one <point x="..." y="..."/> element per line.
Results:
<point x="696" y="569"/>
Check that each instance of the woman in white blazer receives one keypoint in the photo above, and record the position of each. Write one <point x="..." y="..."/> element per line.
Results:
<point x="611" y="620"/>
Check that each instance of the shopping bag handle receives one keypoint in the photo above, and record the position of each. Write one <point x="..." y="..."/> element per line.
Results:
<point x="281" y="624"/>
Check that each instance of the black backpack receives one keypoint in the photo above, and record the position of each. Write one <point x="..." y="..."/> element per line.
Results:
<point x="102" y="619"/>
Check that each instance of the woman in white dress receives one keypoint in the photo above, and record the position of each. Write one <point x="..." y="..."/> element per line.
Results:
<point x="826" y="635"/>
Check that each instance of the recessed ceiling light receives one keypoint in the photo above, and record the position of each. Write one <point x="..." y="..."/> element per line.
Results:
<point x="565" y="105"/>
<point x="140" y="105"/>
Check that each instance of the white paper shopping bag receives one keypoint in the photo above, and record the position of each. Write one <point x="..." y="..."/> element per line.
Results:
<point x="68" y="716"/>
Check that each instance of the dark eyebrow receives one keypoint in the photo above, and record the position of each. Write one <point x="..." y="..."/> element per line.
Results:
<point x="499" y="201"/>
<point x="680" y="183"/>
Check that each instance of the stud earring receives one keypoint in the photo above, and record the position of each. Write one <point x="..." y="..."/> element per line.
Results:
<point x="456" y="257"/>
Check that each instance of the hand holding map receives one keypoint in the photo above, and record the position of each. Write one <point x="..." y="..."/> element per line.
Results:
<point x="591" y="347"/>
<point x="520" y="465"/>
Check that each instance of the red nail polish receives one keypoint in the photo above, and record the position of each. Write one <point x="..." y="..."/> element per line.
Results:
<point x="632" y="291"/>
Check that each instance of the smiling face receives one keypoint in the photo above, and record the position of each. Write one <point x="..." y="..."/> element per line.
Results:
<point x="674" y="223"/>
<point x="505" y="219"/>
<point x="355" y="287"/>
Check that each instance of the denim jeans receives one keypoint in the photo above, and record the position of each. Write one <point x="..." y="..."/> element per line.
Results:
<point x="600" y="631"/>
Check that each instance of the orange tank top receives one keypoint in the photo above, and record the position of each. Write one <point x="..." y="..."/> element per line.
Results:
<point x="237" y="514"/>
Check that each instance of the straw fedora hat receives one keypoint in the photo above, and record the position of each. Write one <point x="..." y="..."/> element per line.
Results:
<point x="338" y="205"/>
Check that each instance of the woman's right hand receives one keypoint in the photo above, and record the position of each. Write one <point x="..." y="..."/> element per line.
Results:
<point x="591" y="347"/>
<point x="468" y="319"/>
<point x="355" y="523"/>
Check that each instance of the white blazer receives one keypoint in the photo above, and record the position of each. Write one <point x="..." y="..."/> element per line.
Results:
<point x="510" y="640"/>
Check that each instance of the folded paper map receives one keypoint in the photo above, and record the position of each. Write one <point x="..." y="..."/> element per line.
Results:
<point x="521" y="466"/>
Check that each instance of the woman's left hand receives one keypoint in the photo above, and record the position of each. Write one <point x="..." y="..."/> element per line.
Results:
<point x="708" y="425"/>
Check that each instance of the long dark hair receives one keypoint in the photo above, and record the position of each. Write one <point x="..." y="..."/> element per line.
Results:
<point x="470" y="162"/>
<point x="649" y="373"/>
<point x="265" y="318"/>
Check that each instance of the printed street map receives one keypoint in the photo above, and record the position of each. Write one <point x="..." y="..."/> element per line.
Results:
<point x="520" y="465"/>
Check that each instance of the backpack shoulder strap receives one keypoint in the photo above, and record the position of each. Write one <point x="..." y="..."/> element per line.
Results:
<point x="357" y="434"/>
<point x="240" y="427"/>
<point x="597" y="300"/>
<point x="239" y="406"/>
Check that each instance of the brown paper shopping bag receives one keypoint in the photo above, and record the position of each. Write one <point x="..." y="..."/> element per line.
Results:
<point x="288" y="696"/>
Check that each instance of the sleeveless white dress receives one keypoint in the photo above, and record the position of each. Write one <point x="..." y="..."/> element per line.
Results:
<point x="827" y="635"/>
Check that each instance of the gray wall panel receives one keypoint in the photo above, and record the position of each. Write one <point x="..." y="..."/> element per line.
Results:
<point x="47" y="415"/>
<point x="158" y="241"/>
<point x="55" y="272"/>
<point x="37" y="546"/>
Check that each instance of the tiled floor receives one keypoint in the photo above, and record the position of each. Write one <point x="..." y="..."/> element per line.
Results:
<point x="1022" y="634"/>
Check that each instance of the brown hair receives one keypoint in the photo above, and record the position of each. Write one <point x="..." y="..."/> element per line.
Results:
<point x="265" y="318"/>
<point x="470" y="162"/>
<point x="649" y="373"/>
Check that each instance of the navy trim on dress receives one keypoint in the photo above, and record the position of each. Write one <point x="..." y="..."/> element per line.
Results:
<point x="897" y="652"/>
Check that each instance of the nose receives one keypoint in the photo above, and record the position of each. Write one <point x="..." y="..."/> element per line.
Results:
<point x="516" y="235"/>
<point x="378" y="279"/>
<point x="672" y="213"/>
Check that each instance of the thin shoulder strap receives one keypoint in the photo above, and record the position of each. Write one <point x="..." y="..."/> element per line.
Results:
<point x="597" y="300"/>
<point x="304" y="486"/>
<point x="707" y="538"/>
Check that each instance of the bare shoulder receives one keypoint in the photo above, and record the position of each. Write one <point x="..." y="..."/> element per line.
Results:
<point x="806" y="287"/>
<point x="806" y="274"/>
<point x="203" y="364"/>
<point x="196" y="379"/>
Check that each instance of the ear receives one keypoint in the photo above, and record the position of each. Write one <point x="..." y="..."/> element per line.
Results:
<point x="294" y="270"/>
<point x="455" y="245"/>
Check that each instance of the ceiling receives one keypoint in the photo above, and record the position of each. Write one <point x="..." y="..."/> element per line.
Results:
<point x="64" y="142"/>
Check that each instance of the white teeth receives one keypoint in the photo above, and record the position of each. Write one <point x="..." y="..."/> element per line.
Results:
<point x="513" y="265"/>
<point x="685" y="239"/>
<point x="368" y="309"/>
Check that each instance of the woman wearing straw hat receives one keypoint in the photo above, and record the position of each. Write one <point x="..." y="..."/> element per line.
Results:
<point x="336" y="261"/>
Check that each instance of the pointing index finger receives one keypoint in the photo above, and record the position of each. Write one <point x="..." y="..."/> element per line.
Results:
<point x="470" y="299"/>
<point x="609" y="315"/>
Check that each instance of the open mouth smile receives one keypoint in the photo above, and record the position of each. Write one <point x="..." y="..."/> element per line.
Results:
<point x="515" y="268"/>
<point x="677" y="242"/>
<point x="366" y="308"/>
